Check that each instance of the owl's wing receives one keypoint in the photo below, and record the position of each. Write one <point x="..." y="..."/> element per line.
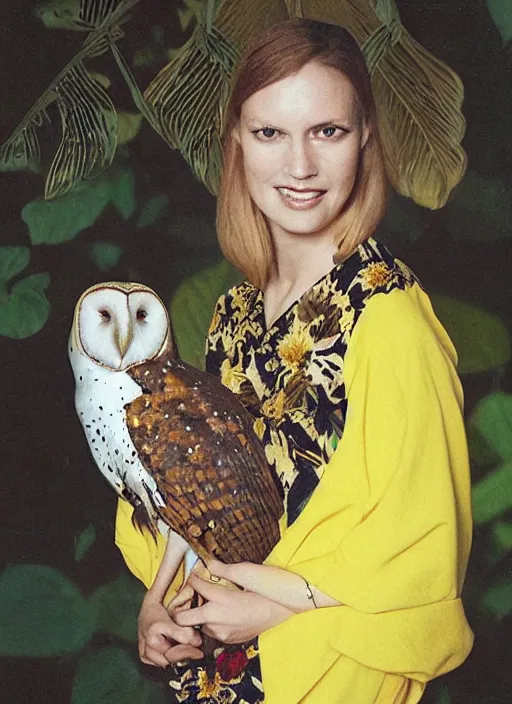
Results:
<point x="196" y="440"/>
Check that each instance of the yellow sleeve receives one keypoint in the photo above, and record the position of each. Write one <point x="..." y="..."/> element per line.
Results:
<point x="140" y="552"/>
<point x="387" y="532"/>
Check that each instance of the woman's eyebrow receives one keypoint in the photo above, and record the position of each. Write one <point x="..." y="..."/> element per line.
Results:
<point x="256" y="121"/>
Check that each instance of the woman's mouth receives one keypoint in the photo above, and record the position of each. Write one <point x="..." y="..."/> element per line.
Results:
<point x="300" y="200"/>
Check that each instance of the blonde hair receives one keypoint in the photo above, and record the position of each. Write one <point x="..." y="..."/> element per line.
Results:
<point x="280" y="51"/>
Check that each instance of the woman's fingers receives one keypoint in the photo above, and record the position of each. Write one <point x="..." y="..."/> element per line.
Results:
<point x="208" y="590"/>
<point x="150" y="656"/>
<point x="243" y="574"/>
<point x="185" y="594"/>
<point x="159" y="634"/>
<point x="193" y="617"/>
<point x="182" y="652"/>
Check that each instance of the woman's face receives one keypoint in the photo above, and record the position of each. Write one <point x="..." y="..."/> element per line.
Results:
<point x="301" y="139"/>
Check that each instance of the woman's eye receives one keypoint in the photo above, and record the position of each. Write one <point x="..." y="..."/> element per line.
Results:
<point x="266" y="132"/>
<point x="141" y="314"/>
<point x="330" y="131"/>
<point x="105" y="315"/>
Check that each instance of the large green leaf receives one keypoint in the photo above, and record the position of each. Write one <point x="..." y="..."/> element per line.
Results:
<point x="42" y="613"/>
<point x="12" y="261"/>
<point x="60" y="220"/>
<point x="492" y="495"/>
<point x="110" y="676"/>
<point x="493" y="420"/>
<point x="480" y="209"/>
<point x="480" y="337"/>
<point x="25" y="309"/>
<point x="501" y="13"/>
<point x="192" y="308"/>
<point x="117" y="605"/>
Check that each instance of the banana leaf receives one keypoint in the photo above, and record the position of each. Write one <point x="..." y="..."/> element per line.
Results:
<point x="88" y="119"/>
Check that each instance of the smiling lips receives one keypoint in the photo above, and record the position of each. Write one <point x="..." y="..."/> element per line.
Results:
<point x="300" y="199"/>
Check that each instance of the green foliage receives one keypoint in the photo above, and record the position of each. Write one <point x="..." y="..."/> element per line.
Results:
<point x="492" y="420"/>
<point x="12" y="261"/>
<point x="42" y="613"/>
<point x="502" y="539"/>
<point x="192" y="307"/>
<point x="492" y="500"/>
<point x="116" y="605"/>
<point x="491" y="495"/>
<point x="60" y="220"/>
<point x="110" y="676"/>
<point x="84" y="542"/>
<point x="105" y="255"/>
<point x="153" y="210"/>
<point x="498" y="598"/>
<point x="443" y="695"/>
<point x="24" y="309"/>
<point x="480" y="337"/>
<point x="501" y="13"/>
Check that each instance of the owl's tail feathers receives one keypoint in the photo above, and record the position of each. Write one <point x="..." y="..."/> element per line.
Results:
<point x="142" y="521"/>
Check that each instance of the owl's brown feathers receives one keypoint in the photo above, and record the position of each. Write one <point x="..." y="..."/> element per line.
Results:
<point x="196" y="440"/>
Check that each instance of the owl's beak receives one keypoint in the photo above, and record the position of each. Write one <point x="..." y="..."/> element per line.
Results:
<point x="123" y="341"/>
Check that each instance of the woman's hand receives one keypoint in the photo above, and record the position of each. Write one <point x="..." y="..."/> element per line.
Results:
<point x="162" y="641"/>
<point x="229" y="615"/>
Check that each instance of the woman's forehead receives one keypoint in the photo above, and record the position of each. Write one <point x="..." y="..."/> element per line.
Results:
<point x="315" y="94"/>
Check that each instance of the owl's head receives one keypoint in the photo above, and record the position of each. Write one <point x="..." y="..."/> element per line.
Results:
<point x="119" y="325"/>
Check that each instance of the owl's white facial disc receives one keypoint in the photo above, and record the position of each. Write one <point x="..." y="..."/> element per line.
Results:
<point x="149" y="327"/>
<point x="119" y="328"/>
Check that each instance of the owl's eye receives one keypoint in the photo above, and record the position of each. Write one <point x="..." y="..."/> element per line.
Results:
<point x="105" y="315"/>
<point x="141" y="314"/>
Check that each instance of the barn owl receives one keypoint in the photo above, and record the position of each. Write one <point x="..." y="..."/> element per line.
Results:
<point x="169" y="438"/>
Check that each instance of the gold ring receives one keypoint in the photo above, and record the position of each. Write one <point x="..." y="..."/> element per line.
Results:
<point x="182" y="663"/>
<point x="214" y="578"/>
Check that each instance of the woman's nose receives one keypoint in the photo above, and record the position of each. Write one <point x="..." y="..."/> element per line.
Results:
<point x="300" y="161"/>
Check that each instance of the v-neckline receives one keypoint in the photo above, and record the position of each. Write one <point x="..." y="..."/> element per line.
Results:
<point x="276" y="323"/>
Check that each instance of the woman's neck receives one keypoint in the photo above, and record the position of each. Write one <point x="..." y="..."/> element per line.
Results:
<point x="299" y="263"/>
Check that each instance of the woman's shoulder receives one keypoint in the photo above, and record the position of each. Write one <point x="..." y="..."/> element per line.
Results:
<point x="403" y="328"/>
<point x="233" y="306"/>
<point x="373" y="269"/>
<point x="385" y="303"/>
<point x="233" y="297"/>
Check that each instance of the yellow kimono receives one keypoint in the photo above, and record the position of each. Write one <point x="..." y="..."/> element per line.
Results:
<point x="384" y="522"/>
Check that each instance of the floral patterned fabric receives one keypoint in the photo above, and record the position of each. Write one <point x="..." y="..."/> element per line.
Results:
<point x="290" y="378"/>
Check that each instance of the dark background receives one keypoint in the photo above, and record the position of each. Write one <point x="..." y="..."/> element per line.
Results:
<point x="50" y="490"/>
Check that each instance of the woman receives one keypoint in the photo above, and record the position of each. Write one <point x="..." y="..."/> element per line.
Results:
<point x="332" y="345"/>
